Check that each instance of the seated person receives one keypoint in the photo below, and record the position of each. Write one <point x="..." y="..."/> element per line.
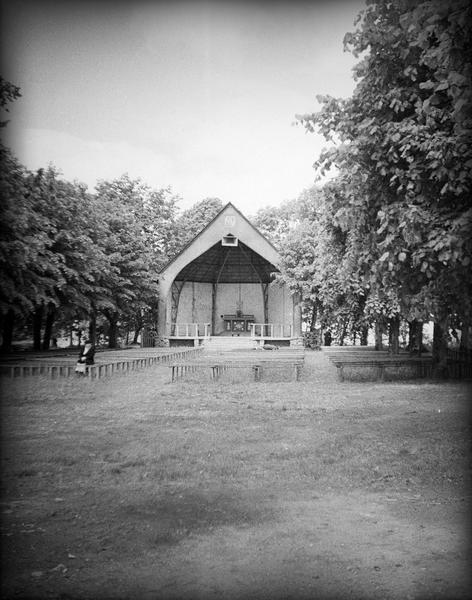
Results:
<point x="87" y="353"/>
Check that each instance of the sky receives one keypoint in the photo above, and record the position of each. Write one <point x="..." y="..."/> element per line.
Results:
<point x="198" y="96"/>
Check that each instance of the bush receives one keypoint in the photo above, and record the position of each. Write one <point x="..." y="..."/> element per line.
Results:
<point x="312" y="339"/>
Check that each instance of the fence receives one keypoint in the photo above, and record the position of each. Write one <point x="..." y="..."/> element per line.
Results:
<point x="192" y="330"/>
<point x="271" y="330"/>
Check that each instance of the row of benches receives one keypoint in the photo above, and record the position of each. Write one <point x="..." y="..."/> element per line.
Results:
<point x="378" y="361"/>
<point x="216" y="370"/>
<point x="256" y="362"/>
<point x="458" y="364"/>
<point x="98" y="370"/>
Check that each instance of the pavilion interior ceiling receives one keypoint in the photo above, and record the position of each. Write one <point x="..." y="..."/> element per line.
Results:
<point x="228" y="264"/>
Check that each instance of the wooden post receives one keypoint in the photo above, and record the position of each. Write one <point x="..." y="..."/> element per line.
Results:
<point x="214" y="291"/>
<point x="265" y="300"/>
<point x="380" y="372"/>
<point x="257" y="372"/>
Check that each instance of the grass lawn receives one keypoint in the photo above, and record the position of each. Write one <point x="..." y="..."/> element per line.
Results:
<point x="132" y="487"/>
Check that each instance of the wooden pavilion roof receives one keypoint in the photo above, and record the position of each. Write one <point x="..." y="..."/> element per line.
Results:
<point x="228" y="264"/>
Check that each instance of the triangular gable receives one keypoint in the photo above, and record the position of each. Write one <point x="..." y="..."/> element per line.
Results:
<point x="228" y="221"/>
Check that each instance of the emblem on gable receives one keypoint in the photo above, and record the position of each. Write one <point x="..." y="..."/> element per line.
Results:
<point x="230" y="220"/>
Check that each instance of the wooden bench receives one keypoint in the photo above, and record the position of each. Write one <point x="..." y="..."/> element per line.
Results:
<point x="98" y="370"/>
<point x="422" y="365"/>
<point x="178" y="370"/>
<point x="258" y="355"/>
<point x="358" y="353"/>
<point x="332" y="356"/>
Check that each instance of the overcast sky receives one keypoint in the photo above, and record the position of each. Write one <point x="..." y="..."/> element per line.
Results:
<point x="199" y="96"/>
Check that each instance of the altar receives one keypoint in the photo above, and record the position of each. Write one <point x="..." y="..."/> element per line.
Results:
<point x="238" y="323"/>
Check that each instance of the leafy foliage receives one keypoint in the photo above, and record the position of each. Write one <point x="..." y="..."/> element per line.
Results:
<point x="194" y="219"/>
<point x="403" y="158"/>
<point x="8" y="93"/>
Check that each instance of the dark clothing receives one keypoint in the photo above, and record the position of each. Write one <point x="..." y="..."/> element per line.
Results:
<point x="87" y="357"/>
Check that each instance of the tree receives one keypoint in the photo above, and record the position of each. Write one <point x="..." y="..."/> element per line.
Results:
<point x="316" y="262"/>
<point x="28" y="267"/>
<point x="277" y="222"/>
<point x="75" y="231"/>
<point x="156" y="212"/>
<point x="196" y="218"/>
<point x="402" y="153"/>
<point x="132" y="243"/>
<point x="8" y="93"/>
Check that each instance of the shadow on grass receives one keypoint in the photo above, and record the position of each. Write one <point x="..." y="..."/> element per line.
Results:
<point x="171" y="518"/>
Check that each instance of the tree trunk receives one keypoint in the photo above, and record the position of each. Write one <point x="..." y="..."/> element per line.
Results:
<point x="465" y="336"/>
<point x="37" y="326"/>
<point x="138" y="326"/>
<point x="415" y="337"/>
<point x="364" y="335"/>
<point x="50" y="317"/>
<point x="440" y="348"/>
<point x="343" y="332"/>
<point x="378" y="335"/>
<point x="8" y="322"/>
<point x="394" y="335"/>
<point x="411" y="336"/>
<point x="92" y="329"/>
<point x="112" y="329"/>
<point x="314" y="315"/>
<point x="419" y="336"/>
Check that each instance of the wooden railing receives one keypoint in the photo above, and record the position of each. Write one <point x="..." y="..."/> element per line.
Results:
<point x="191" y="330"/>
<point x="271" y="330"/>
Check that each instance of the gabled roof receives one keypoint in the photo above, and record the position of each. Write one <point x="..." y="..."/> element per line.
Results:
<point x="229" y="204"/>
<point x="205" y="259"/>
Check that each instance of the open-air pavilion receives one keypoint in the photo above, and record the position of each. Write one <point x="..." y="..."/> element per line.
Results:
<point x="222" y="285"/>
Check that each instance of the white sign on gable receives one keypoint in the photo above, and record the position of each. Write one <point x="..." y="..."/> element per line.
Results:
<point x="230" y="220"/>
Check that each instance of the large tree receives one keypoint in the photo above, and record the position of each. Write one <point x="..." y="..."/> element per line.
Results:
<point x="402" y="150"/>
<point x="140" y="232"/>
<point x="319" y="261"/>
<point x="76" y="231"/>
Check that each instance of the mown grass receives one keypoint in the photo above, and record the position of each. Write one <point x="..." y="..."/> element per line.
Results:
<point x="191" y="432"/>
<point x="126" y="465"/>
